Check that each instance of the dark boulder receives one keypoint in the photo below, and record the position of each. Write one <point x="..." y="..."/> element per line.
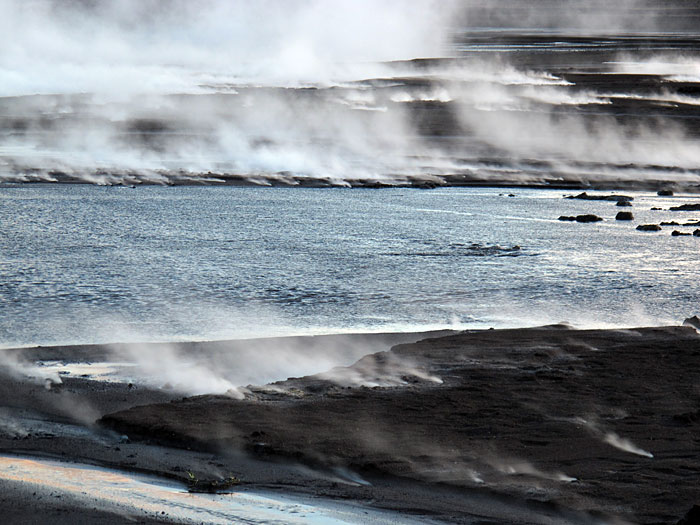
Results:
<point x="649" y="228"/>
<point x="692" y="517"/>
<point x="624" y="216"/>
<point x="686" y="207"/>
<point x="656" y="209"/>
<point x="665" y="193"/>
<point x="676" y="233"/>
<point x="588" y="218"/>
<point x="696" y="233"/>
<point x="623" y="203"/>
<point x="692" y="321"/>
<point x="567" y="218"/>
<point x="669" y="223"/>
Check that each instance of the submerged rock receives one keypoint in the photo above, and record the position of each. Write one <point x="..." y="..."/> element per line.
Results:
<point x="676" y="233"/>
<point x="696" y="233"/>
<point x="686" y="207"/>
<point x="567" y="218"/>
<point x="649" y="228"/>
<point x="665" y="193"/>
<point x="584" y="196"/>
<point x="669" y="223"/>
<point x="624" y="203"/>
<point x="624" y="216"/>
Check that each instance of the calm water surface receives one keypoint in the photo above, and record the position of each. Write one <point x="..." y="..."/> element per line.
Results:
<point x="85" y="264"/>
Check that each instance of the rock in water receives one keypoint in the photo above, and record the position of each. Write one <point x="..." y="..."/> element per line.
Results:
<point x="692" y="517"/>
<point x="686" y="207"/>
<point x="624" y="216"/>
<point x="649" y="228"/>
<point x="623" y="203"/>
<point x="584" y="196"/>
<point x="588" y="218"/>
<point x="665" y="193"/>
<point x="676" y="233"/>
<point x="692" y="321"/>
<point x="696" y="233"/>
<point x="566" y="218"/>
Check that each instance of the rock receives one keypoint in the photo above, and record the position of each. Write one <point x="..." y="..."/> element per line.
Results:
<point x="670" y="223"/>
<point x="588" y="218"/>
<point x="624" y="216"/>
<point x="649" y="228"/>
<point x="676" y="233"/>
<point x="686" y="207"/>
<point x="566" y="218"/>
<point x="692" y="321"/>
<point x="696" y="233"/>
<point x="584" y="196"/>
<point x="623" y="203"/>
<point x="665" y="193"/>
<point x="656" y="209"/>
<point x="692" y="517"/>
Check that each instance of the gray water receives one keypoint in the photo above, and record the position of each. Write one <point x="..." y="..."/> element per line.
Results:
<point x="82" y="264"/>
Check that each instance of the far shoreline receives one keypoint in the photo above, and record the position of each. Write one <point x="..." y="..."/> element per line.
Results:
<point x="426" y="182"/>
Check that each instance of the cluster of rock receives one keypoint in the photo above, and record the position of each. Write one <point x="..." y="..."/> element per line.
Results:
<point x="624" y="200"/>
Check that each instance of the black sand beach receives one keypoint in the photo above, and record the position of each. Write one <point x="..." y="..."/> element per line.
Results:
<point x="544" y="425"/>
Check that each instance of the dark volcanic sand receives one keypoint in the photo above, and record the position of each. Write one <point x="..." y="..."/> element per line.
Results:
<point x="518" y="414"/>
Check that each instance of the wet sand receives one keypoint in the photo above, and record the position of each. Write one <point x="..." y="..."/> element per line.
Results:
<point x="549" y="425"/>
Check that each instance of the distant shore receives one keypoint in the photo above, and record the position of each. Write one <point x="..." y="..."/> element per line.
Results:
<point x="511" y="426"/>
<point x="426" y="182"/>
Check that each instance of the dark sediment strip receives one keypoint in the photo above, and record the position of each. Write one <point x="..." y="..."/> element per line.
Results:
<point x="512" y="415"/>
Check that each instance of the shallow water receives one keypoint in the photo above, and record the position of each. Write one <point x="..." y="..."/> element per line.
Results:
<point x="83" y="264"/>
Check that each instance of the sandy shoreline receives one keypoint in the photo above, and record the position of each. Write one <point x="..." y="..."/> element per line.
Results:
<point x="548" y="425"/>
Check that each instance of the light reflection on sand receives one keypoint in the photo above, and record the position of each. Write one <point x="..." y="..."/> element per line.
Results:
<point x="135" y="494"/>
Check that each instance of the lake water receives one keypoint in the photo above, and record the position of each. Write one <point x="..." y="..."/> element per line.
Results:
<point x="84" y="264"/>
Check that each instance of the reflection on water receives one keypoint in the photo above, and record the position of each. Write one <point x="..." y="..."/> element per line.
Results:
<point x="83" y="264"/>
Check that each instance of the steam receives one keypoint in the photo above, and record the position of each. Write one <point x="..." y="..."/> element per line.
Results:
<point x="283" y="92"/>
<point x="384" y="369"/>
<point x="152" y="46"/>
<point x="16" y="366"/>
<point x="228" y="367"/>
<point x="612" y="439"/>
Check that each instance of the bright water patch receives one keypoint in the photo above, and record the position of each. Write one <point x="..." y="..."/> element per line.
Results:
<point x="83" y="264"/>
